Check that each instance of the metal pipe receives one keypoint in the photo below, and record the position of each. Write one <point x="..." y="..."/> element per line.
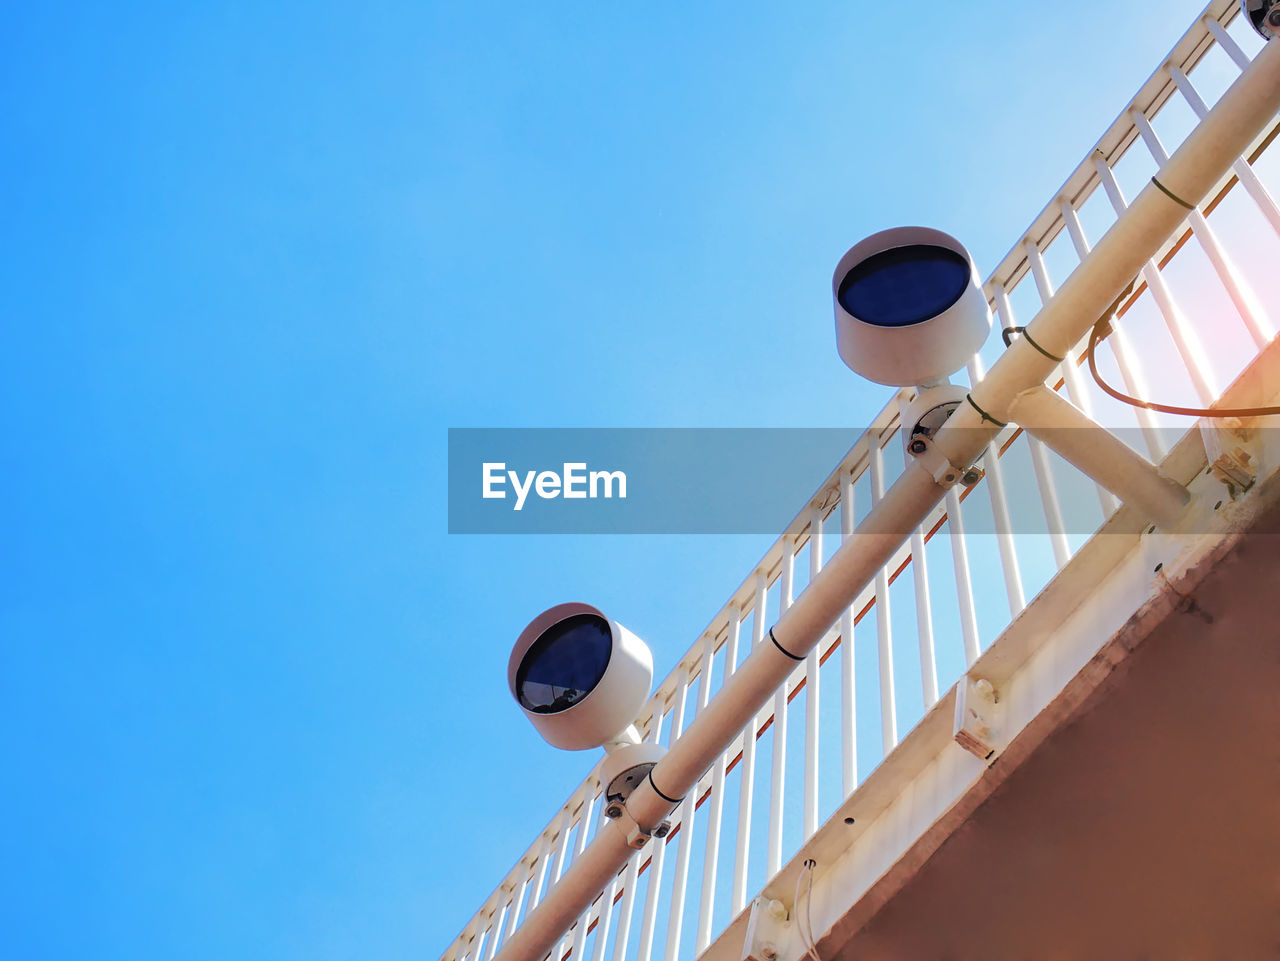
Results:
<point x="1206" y="155"/>
<point x="1082" y="442"/>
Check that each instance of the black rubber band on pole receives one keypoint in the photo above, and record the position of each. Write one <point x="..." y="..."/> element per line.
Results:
<point x="783" y="649"/>
<point x="983" y="414"/>
<point x="1022" y="331"/>
<point x="669" y="800"/>
<point x="1172" y="196"/>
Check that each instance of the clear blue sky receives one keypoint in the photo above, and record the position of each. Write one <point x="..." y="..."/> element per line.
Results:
<point x="257" y="258"/>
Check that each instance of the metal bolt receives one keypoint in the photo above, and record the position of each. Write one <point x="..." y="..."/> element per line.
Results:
<point x="971" y="476"/>
<point x="613" y="811"/>
<point x="662" y="830"/>
<point x="917" y="446"/>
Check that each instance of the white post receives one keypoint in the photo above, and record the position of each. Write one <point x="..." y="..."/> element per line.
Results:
<point x="711" y="858"/>
<point x="1039" y="460"/>
<point x="848" y="706"/>
<point x="812" y="670"/>
<point x="1227" y="42"/>
<point x="964" y="585"/>
<point x="657" y="852"/>
<point x="884" y="624"/>
<point x="1000" y="515"/>
<point x="778" y="783"/>
<point x="629" y="882"/>
<point x="748" y="782"/>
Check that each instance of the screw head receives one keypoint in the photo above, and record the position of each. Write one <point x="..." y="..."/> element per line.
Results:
<point x="662" y="830"/>
<point x="917" y="446"/>
<point x="613" y="811"/>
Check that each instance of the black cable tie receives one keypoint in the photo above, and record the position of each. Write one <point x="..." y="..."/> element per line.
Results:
<point x="983" y="414"/>
<point x="669" y="800"/>
<point x="1022" y="331"/>
<point x="781" y="648"/>
<point x="1172" y="196"/>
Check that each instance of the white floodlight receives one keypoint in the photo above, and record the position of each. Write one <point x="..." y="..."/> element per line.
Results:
<point x="1263" y="16"/>
<point x="910" y="312"/>
<point x="581" y="679"/>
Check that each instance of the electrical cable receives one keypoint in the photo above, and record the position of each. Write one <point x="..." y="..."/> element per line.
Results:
<point x="1095" y="335"/>
<point x="806" y="936"/>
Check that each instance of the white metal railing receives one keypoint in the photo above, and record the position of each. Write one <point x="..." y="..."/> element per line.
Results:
<point x="734" y="831"/>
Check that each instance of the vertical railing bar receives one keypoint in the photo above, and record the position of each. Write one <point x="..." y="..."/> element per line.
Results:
<point x="544" y="864"/>
<point x="688" y="812"/>
<point x="924" y="620"/>
<point x="468" y="952"/>
<point x="1227" y="42"/>
<point x="562" y="850"/>
<point x="675" y="920"/>
<point x="848" y="689"/>
<point x="924" y="613"/>
<point x="884" y="627"/>
<point x="580" y="931"/>
<point x="657" y="856"/>
<point x="626" y="907"/>
<point x="604" y="918"/>
<point x="522" y="888"/>
<point x="1075" y="390"/>
<point x="1184" y="337"/>
<point x="588" y="812"/>
<point x="501" y="922"/>
<point x="495" y="922"/>
<point x="566" y="826"/>
<point x="711" y="857"/>
<point x="778" y="782"/>
<point x="748" y="766"/>
<point x="1000" y="514"/>
<point x="1131" y="371"/>
<point x="1049" y="502"/>
<point x="812" y="674"/>
<point x="1044" y="288"/>
<point x="1243" y="169"/>
<point x="964" y="584"/>
<point x="1242" y="298"/>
